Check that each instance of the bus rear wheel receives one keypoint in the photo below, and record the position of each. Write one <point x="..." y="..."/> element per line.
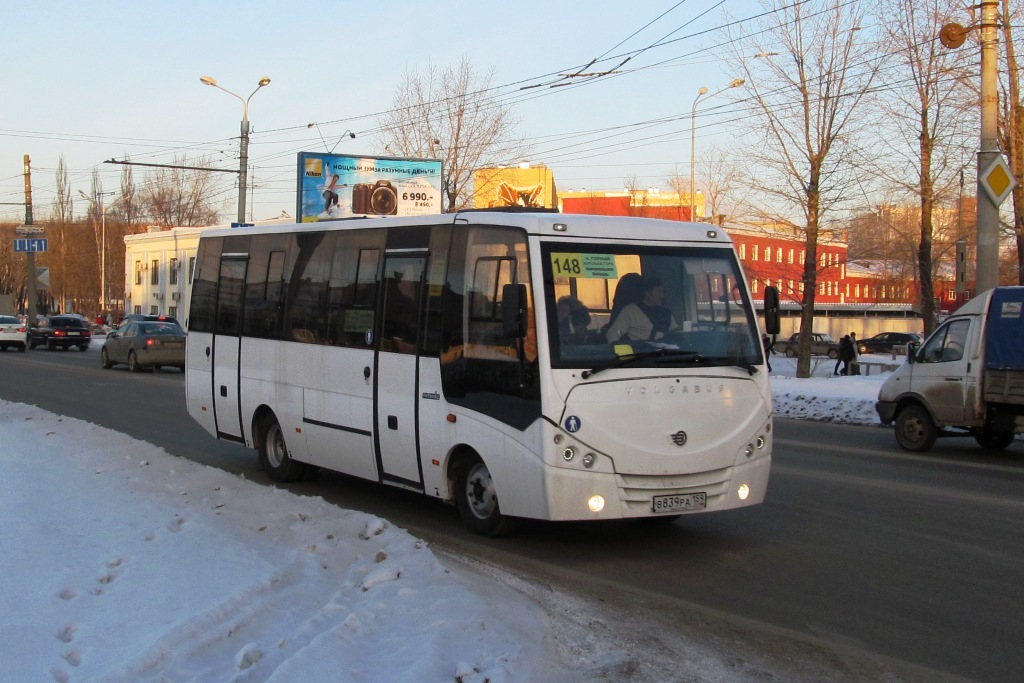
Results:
<point x="477" y="500"/>
<point x="274" y="457"/>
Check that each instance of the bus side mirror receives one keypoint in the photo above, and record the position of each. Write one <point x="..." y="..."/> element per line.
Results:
<point x="513" y="311"/>
<point x="771" y="310"/>
<point x="912" y="348"/>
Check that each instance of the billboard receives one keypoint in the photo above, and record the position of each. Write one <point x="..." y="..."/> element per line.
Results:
<point x="528" y="186"/>
<point x="333" y="186"/>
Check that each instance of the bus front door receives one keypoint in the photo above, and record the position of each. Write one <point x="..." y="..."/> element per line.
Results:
<point x="226" y="348"/>
<point x="396" y="377"/>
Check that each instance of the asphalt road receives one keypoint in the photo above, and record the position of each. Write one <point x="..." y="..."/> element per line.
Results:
<point x="916" y="560"/>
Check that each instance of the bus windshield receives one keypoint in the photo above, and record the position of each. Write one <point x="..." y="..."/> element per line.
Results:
<point x="610" y="303"/>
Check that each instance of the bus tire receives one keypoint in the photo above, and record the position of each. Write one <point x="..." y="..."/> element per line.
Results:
<point x="477" y="500"/>
<point x="274" y="458"/>
<point x="915" y="430"/>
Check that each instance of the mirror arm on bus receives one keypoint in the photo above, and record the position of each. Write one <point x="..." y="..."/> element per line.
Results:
<point x="513" y="310"/>
<point x="771" y="310"/>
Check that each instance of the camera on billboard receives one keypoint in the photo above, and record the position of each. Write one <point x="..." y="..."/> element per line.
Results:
<point x="379" y="198"/>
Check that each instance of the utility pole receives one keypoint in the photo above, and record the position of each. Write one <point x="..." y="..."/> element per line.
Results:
<point x="30" y="308"/>
<point x="987" y="271"/>
<point x="994" y="179"/>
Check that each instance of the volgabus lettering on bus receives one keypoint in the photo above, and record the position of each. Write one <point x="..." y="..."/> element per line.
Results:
<point x="676" y="388"/>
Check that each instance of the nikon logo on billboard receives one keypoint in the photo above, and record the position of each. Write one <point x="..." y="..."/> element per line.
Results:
<point x="333" y="186"/>
<point x="314" y="168"/>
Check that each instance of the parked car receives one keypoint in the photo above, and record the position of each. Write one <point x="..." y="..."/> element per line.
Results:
<point x="13" y="333"/>
<point x="145" y="344"/>
<point x="821" y="345"/>
<point x="885" y="341"/>
<point x="61" y="331"/>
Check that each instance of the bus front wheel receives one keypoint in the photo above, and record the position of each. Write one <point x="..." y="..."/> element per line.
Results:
<point x="477" y="500"/>
<point x="274" y="456"/>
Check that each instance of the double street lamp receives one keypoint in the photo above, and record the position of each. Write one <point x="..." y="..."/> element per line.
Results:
<point x="243" y="160"/>
<point x="693" y="130"/>
<point x="98" y="197"/>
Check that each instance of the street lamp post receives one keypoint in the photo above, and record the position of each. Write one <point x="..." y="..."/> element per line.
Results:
<point x="103" y="241"/>
<point x="693" y="131"/>
<point x="243" y="160"/>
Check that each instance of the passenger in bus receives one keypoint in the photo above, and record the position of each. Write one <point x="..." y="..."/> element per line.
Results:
<point x="644" y="320"/>
<point x="573" y="320"/>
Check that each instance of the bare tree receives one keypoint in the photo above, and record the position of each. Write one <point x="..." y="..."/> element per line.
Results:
<point x="70" y="254"/>
<point x="452" y="114"/>
<point x="180" y="196"/>
<point x="921" y="116"/>
<point x="806" y="87"/>
<point x="721" y="178"/>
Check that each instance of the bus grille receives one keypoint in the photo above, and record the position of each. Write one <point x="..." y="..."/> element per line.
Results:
<point x="636" y="490"/>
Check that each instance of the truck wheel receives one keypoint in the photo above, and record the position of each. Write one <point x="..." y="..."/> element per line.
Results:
<point x="993" y="441"/>
<point x="790" y="352"/>
<point x="274" y="456"/>
<point x="833" y="354"/>
<point x="915" y="430"/>
<point x="477" y="500"/>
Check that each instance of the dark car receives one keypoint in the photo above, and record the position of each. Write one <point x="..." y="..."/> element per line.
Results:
<point x="821" y="345"/>
<point x="885" y="341"/>
<point x="61" y="331"/>
<point x="145" y="344"/>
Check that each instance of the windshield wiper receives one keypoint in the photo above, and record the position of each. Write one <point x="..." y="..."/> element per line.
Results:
<point x="690" y="356"/>
<point x="669" y="354"/>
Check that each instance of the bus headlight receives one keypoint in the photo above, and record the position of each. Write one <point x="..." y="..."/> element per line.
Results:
<point x="761" y="441"/>
<point x="743" y="491"/>
<point x="568" y="453"/>
<point x="596" y="503"/>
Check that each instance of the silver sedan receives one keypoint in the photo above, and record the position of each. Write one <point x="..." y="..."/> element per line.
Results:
<point x="142" y="345"/>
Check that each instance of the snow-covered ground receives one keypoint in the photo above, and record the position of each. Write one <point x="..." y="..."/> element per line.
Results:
<point x="121" y="562"/>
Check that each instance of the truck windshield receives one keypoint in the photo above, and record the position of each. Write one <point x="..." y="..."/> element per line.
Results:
<point x="609" y="301"/>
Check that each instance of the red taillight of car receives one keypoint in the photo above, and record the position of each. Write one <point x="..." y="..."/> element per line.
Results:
<point x="22" y="329"/>
<point x="59" y="333"/>
<point x="151" y="342"/>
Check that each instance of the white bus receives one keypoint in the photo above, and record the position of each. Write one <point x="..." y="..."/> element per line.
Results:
<point x="425" y="353"/>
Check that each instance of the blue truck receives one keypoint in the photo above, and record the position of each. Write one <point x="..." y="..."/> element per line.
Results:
<point x="966" y="379"/>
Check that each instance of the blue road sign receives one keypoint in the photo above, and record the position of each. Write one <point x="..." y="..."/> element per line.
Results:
<point x="31" y="244"/>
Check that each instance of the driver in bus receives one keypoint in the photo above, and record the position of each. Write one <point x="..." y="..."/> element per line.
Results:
<point x="643" y="320"/>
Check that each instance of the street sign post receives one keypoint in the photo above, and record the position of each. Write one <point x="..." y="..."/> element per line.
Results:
<point x="29" y="230"/>
<point x="35" y="244"/>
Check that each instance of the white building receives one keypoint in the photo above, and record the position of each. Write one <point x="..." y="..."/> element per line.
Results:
<point x="158" y="266"/>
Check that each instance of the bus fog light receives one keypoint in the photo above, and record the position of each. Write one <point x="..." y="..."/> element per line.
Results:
<point x="596" y="503"/>
<point x="568" y="454"/>
<point x="558" y="439"/>
<point x="588" y="460"/>
<point x="749" y="450"/>
<point x="761" y="441"/>
<point x="743" y="491"/>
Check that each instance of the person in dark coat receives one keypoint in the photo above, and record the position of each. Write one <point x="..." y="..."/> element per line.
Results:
<point x="847" y="353"/>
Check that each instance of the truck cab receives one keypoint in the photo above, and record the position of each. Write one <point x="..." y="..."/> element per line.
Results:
<point x="967" y="379"/>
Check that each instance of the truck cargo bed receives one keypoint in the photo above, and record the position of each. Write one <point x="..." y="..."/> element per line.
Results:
<point x="1004" y="386"/>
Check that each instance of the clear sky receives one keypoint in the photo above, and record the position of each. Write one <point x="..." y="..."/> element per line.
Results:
<point x="113" y="79"/>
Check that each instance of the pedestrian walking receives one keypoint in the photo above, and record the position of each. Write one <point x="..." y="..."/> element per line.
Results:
<point x="846" y="354"/>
